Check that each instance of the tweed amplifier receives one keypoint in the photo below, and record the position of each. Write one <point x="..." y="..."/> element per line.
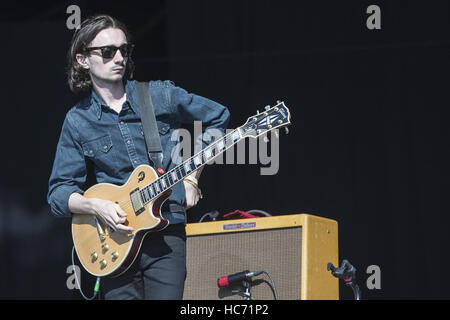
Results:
<point x="293" y="249"/>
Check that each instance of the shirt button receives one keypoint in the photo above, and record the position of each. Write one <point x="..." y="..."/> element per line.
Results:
<point x="105" y="147"/>
<point x="128" y="141"/>
<point x="135" y="161"/>
<point x="121" y="122"/>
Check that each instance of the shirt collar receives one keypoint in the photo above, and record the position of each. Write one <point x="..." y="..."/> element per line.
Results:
<point x="130" y="87"/>
<point x="98" y="104"/>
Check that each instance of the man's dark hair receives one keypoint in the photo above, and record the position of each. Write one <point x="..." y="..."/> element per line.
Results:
<point x="77" y="76"/>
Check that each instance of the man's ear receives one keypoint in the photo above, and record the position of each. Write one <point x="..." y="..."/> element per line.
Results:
<point x="82" y="60"/>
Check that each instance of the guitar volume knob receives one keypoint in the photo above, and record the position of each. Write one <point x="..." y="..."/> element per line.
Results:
<point x="103" y="263"/>
<point x="115" y="255"/>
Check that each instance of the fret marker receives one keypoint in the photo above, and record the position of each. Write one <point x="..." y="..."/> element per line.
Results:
<point x="207" y="154"/>
<point x="197" y="161"/>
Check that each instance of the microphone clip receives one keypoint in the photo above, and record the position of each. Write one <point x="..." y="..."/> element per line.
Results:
<point x="346" y="272"/>
<point x="244" y="278"/>
<point x="244" y="291"/>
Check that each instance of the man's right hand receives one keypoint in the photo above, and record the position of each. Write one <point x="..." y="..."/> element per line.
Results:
<point x="109" y="212"/>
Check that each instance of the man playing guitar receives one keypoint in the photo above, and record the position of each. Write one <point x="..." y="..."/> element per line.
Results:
<point x="104" y="132"/>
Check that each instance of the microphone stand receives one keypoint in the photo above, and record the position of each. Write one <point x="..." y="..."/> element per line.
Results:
<point x="247" y="295"/>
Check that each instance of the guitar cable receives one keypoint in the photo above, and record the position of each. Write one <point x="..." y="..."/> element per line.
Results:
<point x="274" y="289"/>
<point x="97" y="282"/>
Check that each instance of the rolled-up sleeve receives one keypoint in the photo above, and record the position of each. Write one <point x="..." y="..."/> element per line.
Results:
<point x="190" y="107"/>
<point x="69" y="170"/>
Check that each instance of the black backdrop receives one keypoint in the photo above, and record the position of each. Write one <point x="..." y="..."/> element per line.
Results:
<point x="367" y="147"/>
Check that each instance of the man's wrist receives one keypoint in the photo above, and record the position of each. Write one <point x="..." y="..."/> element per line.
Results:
<point x="194" y="182"/>
<point x="81" y="204"/>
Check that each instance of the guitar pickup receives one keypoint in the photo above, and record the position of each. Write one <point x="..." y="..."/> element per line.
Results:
<point x="136" y="201"/>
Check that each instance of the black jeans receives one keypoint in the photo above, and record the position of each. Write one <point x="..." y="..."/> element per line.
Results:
<point x="159" y="271"/>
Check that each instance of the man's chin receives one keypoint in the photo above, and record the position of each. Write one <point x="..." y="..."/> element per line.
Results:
<point x="116" y="77"/>
<point x="113" y="79"/>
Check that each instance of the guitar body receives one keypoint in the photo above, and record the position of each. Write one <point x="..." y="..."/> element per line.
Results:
<point x="104" y="252"/>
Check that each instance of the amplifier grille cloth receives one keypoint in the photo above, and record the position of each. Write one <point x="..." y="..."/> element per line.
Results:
<point x="276" y="251"/>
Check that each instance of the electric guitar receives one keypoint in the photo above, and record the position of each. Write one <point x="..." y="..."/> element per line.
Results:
<point x="104" y="252"/>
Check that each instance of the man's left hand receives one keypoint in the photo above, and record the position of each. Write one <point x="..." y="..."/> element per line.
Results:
<point x="192" y="195"/>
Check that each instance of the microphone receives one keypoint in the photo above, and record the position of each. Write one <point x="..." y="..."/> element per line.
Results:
<point x="227" y="280"/>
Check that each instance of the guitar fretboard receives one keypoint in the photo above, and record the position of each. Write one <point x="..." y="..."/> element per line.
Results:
<point x="177" y="174"/>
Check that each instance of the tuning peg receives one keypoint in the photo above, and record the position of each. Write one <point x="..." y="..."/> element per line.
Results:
<point x="286" y="130"/>
<point x="267" y="108"/>
<point x="265" y="139"/>
<point x="257" y="111"/>
<point x="276" y="133"/>
<point x="278" y="101"/>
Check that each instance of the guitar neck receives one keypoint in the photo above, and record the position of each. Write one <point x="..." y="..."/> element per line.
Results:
<point x="187" y="167"/>
<point x="257" y="125"/>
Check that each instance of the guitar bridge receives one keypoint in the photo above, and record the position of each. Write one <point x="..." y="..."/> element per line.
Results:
<point x="136" y="201"/>
<point x="99" y="230"/>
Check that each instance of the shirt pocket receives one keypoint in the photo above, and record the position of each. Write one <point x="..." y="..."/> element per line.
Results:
<point x="163" y="127"/>
<point x="97" y="147"/>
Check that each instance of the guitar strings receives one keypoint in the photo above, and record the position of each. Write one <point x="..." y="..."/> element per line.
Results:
<point x="178" y="170"/>
<point x="226" y="139"/>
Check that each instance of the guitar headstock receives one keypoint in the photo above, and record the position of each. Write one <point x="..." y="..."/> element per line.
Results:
<point x="272" y="118"/>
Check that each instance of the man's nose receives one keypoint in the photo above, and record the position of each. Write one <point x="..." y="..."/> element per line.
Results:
<point x="118" y="56"/>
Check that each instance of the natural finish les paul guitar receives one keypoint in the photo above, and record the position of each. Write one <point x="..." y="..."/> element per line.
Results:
<point x="103" y="252"/>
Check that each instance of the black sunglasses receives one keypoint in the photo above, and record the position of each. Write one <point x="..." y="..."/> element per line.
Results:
<point x="109" y="52"/>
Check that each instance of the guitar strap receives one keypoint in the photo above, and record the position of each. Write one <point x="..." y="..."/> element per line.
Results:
<point x="149" y="125"/>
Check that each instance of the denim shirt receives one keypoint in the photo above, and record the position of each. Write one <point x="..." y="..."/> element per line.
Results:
<point x="95" y="136"/>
